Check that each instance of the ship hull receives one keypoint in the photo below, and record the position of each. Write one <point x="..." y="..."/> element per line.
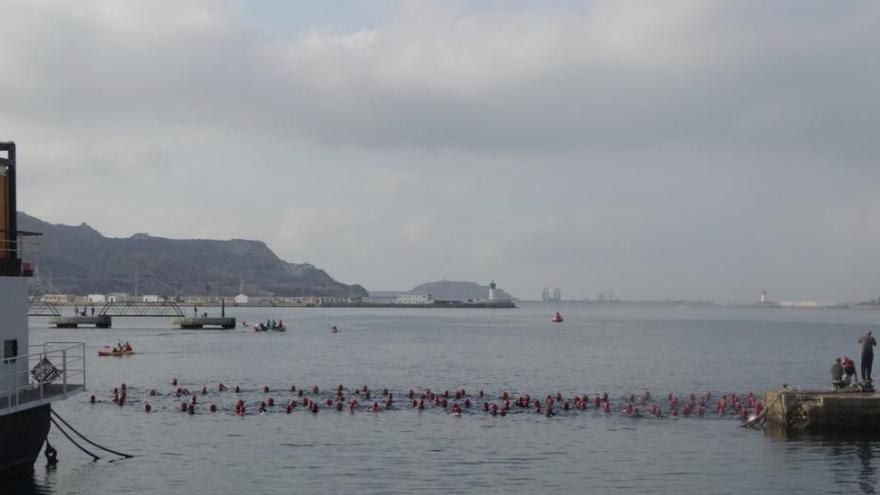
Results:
<point x="21" y="437"/>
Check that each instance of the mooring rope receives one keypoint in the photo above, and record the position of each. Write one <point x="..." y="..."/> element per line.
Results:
<point x="94" y="457"/>
<point x="121" y="454"/>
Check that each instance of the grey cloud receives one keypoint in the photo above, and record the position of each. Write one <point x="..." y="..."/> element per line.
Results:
<point x="685" y="148"/>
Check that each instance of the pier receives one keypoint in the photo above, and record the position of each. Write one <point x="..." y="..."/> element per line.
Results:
<point x="199" y="323"/>
<point x="77" y="321"/>
<point x="822" y="411"/>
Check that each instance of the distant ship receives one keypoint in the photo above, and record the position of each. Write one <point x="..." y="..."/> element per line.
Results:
<point x="31" y="377"/>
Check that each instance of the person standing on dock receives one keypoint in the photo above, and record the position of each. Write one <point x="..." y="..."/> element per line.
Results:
<point x="868" y="343"/>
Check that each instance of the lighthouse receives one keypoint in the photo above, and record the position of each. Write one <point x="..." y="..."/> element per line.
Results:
<point x="492" y="290"/>
<point x="763" y="296"/>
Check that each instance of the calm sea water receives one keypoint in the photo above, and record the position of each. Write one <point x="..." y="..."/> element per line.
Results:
<point x="619" y="349"/>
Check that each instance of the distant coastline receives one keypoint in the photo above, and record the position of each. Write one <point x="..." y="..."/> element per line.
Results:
<point x="509" y="304"/>
<point x="686" y="303"/>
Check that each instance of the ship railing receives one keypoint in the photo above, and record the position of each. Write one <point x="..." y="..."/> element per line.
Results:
<point x="50" y="371"/>
<point x="19" y="257"/>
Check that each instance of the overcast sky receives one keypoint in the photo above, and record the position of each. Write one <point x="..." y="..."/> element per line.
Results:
<point x="686" y="149"/>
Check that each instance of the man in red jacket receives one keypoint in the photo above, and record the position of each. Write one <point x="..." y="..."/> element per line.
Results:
<point x="849" y="371"/>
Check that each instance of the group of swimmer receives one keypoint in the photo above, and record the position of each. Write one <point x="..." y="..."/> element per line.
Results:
<point x="459" y="401"/>
<point x="843" y="371"/>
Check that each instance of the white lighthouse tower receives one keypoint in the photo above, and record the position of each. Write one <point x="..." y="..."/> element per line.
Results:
<point x="492" y="291"/>
<point x="763" y="296"/>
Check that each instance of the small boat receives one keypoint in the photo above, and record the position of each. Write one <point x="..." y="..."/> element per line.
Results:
<point x="557" y="318"/>
<point x="108" y="351"/>
<point x="263" y="328"/>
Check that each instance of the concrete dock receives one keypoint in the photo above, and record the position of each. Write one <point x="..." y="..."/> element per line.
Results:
<point x="77" y="321"/>
<point x="204" y="322"/>
<point x="822" y="411"/>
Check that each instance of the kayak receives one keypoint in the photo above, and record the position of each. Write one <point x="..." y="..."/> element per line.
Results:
<point x="108" y="351"/>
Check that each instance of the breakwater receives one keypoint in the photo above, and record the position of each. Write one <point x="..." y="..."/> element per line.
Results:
<point x="816" y="411"/>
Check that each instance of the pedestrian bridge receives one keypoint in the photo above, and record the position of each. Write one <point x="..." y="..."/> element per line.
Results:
<point x="137" y="309"/>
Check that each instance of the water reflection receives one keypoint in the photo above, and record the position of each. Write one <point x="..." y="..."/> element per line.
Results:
<point x="843" y="449"/>
<point x="27" y="485"/>
<point x="867" y="473"/>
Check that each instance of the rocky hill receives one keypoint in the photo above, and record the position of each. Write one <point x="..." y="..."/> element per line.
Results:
<point x="452" y="290"/>
<point x="79" y="260"/>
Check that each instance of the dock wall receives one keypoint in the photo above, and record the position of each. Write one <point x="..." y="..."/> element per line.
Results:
<point x="818" y="411"/>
